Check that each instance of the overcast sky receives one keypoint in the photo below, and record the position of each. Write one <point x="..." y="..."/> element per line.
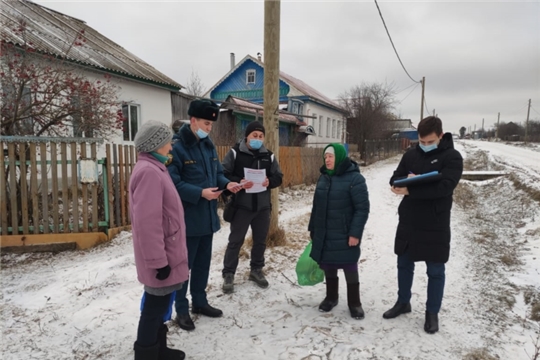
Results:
<point x="479" y="58"/>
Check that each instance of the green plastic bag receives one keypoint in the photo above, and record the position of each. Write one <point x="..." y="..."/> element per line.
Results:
<point x="307" y="270"/>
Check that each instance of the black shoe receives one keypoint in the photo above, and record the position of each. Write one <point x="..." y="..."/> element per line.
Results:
<point x="185" y="322"/>
<point x="432" y="323"/>
<point x="146" y="352"/>
<point x="397" y="310"/>
<point x="166" y="353"/>
<point x="331" y="299"/>
<point x="207" y="310"/>
<point x="228" y="283"/>
<point x="257" y="276"/>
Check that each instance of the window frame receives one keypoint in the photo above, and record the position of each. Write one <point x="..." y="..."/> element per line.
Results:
<point x="128" y="120"/>
<point x="251" y="72"/>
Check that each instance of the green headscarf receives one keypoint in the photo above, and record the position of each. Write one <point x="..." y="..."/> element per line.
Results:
<point x="340" y="154"/>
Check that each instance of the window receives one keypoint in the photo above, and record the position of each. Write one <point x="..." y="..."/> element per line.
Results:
<point x="328" y="127"/>
<point x="301" y="109"/>
<point x="334" y="128"/>
<point x="131" y="114"/>
<point x="250" y="77"/>
<point x="295" y="107"/>
<point x="314" y="122"/>
<point x="320" y="125"/>
<point x="339" y="130"/>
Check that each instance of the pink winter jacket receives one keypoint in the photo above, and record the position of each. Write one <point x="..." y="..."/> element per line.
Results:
<point x="157" y="220"/>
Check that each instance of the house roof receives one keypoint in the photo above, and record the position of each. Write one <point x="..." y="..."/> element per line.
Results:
<point x="53" y="33"/>
<point x="297" y="84"/>
<point x="245" y="106"/>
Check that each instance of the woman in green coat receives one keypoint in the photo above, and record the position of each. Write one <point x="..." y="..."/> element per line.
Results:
<point x="339" y="214"/>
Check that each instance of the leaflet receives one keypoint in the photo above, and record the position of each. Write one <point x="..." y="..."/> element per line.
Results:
<point x="257" y="177"/>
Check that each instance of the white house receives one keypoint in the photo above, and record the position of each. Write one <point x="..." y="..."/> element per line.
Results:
<point x="144" y="94"/>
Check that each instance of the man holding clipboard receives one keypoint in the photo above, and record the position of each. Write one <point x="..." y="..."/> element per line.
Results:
<point x="426" y="178"/>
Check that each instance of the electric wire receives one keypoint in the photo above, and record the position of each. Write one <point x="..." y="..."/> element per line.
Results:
<point x="409" y="94"/>
<point x="392" y="42"/>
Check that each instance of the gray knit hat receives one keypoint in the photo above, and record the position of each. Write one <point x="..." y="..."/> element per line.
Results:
<point x="152" y="136"/>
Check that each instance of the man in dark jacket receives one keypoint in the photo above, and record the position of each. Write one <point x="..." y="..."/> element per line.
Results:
<point x="252" y="209"/>
<point x="198" y="176"/>
<point x="423" y="232"/>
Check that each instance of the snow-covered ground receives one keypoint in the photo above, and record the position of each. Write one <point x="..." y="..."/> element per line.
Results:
<point x="85" y="304"/>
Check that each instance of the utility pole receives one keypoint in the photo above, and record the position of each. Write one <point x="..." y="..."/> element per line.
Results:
<point x="498" y="120"/>
<point x="483" y="128"/>
<point x="422" y="100"/>
<point x="527" y="122"/>
<point x="272" y="10"/>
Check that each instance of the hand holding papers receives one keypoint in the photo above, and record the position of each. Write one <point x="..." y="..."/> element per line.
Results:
<point x="257" y="177"/>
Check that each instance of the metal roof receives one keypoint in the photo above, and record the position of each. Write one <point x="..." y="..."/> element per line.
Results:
<point x="53" y="33"/>
<point x="253" y="108"/>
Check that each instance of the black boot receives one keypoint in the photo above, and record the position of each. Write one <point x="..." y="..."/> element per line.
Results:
<point x="353" y="300"/>
<point x="432" y="323"/>
<point x="164" y="352"/>
<point x="185" y="322"/>
<point x="397" y="310"/>
<point x="331" y="299"/>
<point x="146" y="352"/>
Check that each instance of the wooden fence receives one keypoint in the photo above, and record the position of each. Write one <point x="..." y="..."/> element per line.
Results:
<point x="42" y="193"/>
<point x="47" y="196"/>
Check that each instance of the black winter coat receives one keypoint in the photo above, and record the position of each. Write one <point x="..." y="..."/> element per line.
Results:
<point x="340" y="209"/>
<point x="240" y="157"/>
<point x="424" y="214"/>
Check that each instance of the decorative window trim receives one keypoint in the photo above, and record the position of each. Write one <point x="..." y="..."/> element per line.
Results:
<point x="252" y="72"/>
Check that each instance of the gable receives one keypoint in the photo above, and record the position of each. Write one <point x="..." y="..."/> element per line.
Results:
<point x="236" y="84"/>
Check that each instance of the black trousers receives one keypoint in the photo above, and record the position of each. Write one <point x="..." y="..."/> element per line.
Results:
<point x="153" y="312"/>
<point x="243" y="219"/>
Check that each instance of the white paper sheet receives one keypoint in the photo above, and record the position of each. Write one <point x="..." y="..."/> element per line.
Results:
<point x="257" y="177"/>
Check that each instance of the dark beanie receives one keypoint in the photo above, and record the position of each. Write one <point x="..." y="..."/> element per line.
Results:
<point x="254" y="126"/>
<point x="203" y="109"/>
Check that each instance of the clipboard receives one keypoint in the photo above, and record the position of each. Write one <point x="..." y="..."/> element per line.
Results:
<point x="418" y="179"/>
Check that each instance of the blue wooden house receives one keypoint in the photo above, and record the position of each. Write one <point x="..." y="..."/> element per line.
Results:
<point x="318" y="116"/>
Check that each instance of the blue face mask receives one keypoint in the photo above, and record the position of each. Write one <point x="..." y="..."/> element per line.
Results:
<point x="201" y="134"/>
<point x="255" y="144"/>
<point x="428" y="148"/>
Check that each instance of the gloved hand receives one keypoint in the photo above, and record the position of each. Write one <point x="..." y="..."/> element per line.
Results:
<point x="163" y="273"/>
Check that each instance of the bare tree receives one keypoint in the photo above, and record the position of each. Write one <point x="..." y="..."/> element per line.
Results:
<point x="370" y="108"/>
<point x="194" y="85"/>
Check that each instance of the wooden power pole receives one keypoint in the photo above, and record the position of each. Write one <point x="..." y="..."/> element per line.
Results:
<point x="527" y="122"/>
<point x="272" y="10"/>
<point x="498" y="120"/>
<point x="422" y="100"/>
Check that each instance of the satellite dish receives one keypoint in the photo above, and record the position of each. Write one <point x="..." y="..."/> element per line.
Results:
<point x="308" y="130"/>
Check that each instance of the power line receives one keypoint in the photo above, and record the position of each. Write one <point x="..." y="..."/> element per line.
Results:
<point x="409" y="93"/>
<point x="425" y="104"/>
<point x="402" y="90"/>
<point x="535" y="110"/>
<point x="403" y="66"/>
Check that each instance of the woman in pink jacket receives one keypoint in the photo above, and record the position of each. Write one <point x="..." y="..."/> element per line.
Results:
<point x="159" y="239"/>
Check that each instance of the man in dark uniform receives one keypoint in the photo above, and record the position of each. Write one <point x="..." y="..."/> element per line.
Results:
<point x="423" y="232"/>
<point x="197" y="173"/>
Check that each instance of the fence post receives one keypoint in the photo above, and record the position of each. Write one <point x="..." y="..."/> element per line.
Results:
<point x="3" y="192"/>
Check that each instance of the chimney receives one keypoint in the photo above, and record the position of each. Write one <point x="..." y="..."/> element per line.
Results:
<point x="232" y="61"/>
<point x="259" y="56"/>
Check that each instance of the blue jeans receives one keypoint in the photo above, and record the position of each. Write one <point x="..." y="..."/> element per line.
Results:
<point x="199" y="256"/>
<point x="435" y="288"/>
